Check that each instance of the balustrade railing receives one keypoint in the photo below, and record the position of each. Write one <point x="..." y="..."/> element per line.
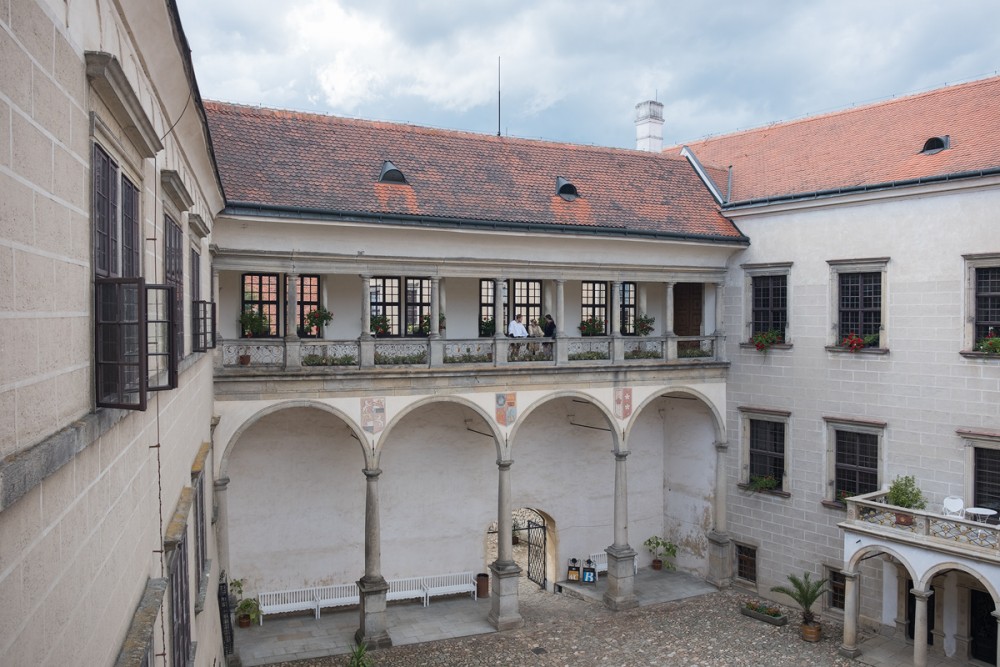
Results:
<point x="922" y="526"/>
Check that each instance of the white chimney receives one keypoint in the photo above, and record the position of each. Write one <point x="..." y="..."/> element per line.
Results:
<point x="649" y="126"/>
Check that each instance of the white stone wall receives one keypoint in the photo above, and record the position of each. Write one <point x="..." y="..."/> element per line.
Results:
<point x="80" y="539"/>
<point x="923" y="389"/>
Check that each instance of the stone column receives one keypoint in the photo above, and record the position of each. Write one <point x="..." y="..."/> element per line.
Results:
<point x="504" y="614"/>
<point x="640" y="299"/>
<point x="615" y="322"/>
<point x="222" y="523"/>
<point x="434" y="335"/>
<point x="996" y="614"/>
<point x="561" y="344"/>
<point x="720" y="332"/>
<point x="500" y="335"/>
<point x="366" y="341"/>
<point x="850" y="648"/>
<point x="293" y="344"/>
<point x="720" y="553"/>
<point x="372" y="586"/>
<point x="668" y="321"/>
<point x="621" y="556"/>
<point x="920" y="627"/>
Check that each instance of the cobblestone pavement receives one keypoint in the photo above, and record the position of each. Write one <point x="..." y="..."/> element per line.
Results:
<point x="559" y="630"/>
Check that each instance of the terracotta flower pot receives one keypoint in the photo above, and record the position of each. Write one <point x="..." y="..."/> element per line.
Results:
<point x="657" y="564"/>
<point x="811" y="632"/>
<point x="243" y="620"/>
<point x="244" y="359"/>
<point x="904" y="519"/>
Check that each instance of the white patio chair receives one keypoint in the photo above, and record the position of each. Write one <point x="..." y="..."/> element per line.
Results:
<point x="954" y="506"/>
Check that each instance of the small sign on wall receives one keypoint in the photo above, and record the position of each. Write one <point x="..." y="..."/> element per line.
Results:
<point x="589" y="572"/>
<point x="573" y="571"/>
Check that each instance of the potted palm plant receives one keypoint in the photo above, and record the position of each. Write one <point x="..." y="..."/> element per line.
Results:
<point x="805" y="593"/>
<point x="904" y="492"/>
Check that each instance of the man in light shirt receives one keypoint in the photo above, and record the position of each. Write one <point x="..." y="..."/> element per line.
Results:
<point x="516" y="329"/>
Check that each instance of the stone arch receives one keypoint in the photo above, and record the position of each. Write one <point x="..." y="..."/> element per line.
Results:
<point x="718" y="423"/>
<point x="874" y="549"/>
<point x="607" y="414"/>
<point x="498" y="438"/>
<point x="285" y="405"/>
<point x="939" y="568"/>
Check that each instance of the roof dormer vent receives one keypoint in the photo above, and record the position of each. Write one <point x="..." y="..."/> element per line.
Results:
<point x="391" y="174"/>
<point x="565" y="189"/>
<point x="936" y="145"/>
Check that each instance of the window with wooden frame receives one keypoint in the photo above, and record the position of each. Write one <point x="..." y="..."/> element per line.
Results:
<point x="859" y="292"/>
<point x="418" y="306"/>
<point x="385" y="303"/>
<point x="202" y="312"/>
<point x="594" y="302"/>
<point x="770" y="304"/>
<point x="627" y="306"/>
<point x="486" y="308"/>
<point x="262" y="294"/>
<point x="173" y="258"/>
<point x="987" y="302"/>
<point x="855" y="458"/>
<point x="120" y="343"/>
<point x="746" y="562"/>
<point x="767" y="452"/>
<point x="180" y="601"/>
<point x="308" y="301"/>
<point x="528" y="300"/>
<point x="838" y="589"/>
<point x="116" y="219"/>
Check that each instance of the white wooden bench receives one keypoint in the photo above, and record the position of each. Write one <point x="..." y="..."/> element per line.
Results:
<point x="278" y="602"/>
<point x="410" y="588"/>
<point x="601" y="563"/>
<point x="450" y="584"/>
<point x="336" y="595"/>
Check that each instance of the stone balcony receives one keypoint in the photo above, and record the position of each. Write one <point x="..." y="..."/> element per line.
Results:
<point x="949" y="535"/>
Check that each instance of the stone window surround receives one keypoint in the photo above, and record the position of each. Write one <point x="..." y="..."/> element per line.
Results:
<point x="750" y="271"/>
<point x="755" y="548"/>
<point x="748" y="413"/>
<point x="857" y="425"/>
<point x="973" y="262"/>
<point x="973" y="439"/>
<point x="869" y="265"/>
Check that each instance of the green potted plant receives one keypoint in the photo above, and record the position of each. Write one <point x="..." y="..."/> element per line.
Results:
<point x="358" y="657"/>
<point x="904" y="492"/>
<point x="764" y="611"/>
<point x="758" y="483"/>
<point x="248" y="612"/>
<point x="661" y="549"/>
<point x="380" y="325"/>
<point x="487" y="327"/>
<point x="763" y="340"/>
<point x="805" y="593"/>
<point x="990" y="344"/>
<point x="644" y="324"/>
<point x="592" y="326"/>
<point x="253" y="323"/>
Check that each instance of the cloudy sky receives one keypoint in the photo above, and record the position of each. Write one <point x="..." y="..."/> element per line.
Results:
<point x="574" y="70"/>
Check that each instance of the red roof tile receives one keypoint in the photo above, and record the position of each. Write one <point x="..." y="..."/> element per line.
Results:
<point x="874" y="144"/>
<point x="329" y="164"/>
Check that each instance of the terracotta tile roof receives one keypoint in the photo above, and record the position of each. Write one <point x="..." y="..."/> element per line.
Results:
<point x="329" y="164"/>
<point x="869" y="145"/>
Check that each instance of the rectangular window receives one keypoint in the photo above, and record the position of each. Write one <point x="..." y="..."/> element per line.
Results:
<point x="838" y="586"/>
<point x="120" y="343"/>
<point x="160" y="337"/>
<point x="262" y="294"/>
<point x="385" y="305"/>
<point x="856" y="470"/>
<point x="487" y="320"/>
<point x="528" y="299"/>
<point x="746" y="563"/>
<point x="860" y="301"/>
<point x="987" y="302"/>
<point x="195" y="275"/>
<point x="418" y="306"/>
<point x="131" y="243"/>
<point x="767" y="452"/>
<point x="180" y="600"/>
<point x="986" y="484"/>
<point x="105" y="213"/>
<point x="308" y="301"/>
<point x="204" y="326"/>
<point x="627" y="303"/>
<point x="173" y="258"/>
<point x="201" y="543"/>
<point x="594" y="302"/>
<point x="770" y="303"/>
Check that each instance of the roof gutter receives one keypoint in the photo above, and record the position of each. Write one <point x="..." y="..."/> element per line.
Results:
<point x="427" y="221"/>
<point x="819" y="194"/>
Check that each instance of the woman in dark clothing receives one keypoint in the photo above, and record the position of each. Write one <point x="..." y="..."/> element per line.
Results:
<point x="549" y="328"/>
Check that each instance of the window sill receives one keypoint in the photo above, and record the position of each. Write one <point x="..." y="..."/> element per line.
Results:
<point x="776" y="346"/>
<point x="199" y="604"/>
<point x="865" y="350"/>
<point x="834" y="505"/>
<point x="767" y="492"/>
<point x="969" y="354"/>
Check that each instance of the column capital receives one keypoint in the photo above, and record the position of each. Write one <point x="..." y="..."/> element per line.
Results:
<point x="292" y="274"/>
<point x="996" y="614"/>
<point x="560" y="281"/>
<point x="621" y="454"/>
<point x="372" y="472"/>
<point x="221" y="483"/>
<point x="366" y="276"/>
<point x="850" y="576"/>
<point x="721" y="446"/>
<point x="505" y="464"/>
<point x="921" y="595"/>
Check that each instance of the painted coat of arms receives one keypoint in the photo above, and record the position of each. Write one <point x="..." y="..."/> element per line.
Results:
<point x="623" y="402"/>
<point x="506" y="408"/>
<point x="373" y="414"/>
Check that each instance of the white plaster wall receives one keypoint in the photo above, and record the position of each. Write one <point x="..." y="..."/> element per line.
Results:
<point x="296" y="502"/>
<point x="923" y="389"/>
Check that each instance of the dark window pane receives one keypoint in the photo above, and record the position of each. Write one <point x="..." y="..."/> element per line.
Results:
<point x="856" y="463"/>
<point x="769" y="304"/>
<point x="860" y="302"/>
<point x="746" y="562"/>
<point x="119" y="343"/>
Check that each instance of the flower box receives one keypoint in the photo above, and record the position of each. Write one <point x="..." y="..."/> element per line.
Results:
<point x="760" y="616"/>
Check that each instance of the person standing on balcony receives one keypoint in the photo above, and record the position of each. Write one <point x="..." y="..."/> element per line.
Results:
<point x="534" y="330"/>
<point x="549" y="327"/>
<point x="515" y="329"/>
